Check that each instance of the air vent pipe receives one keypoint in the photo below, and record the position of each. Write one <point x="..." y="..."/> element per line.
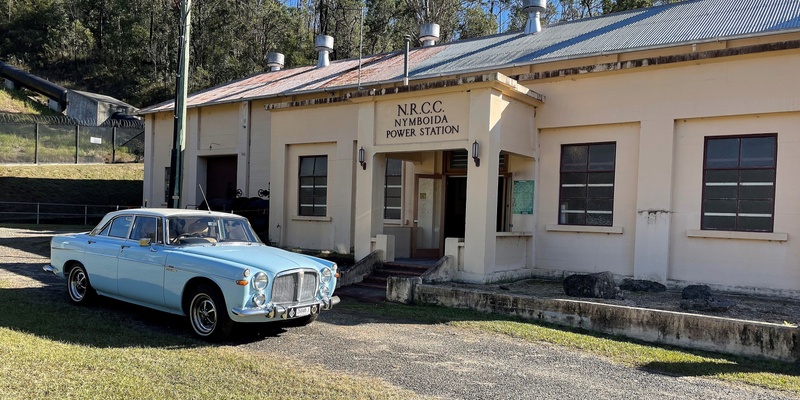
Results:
<point x="275" y="61"/>
<point x="429" y="34"/>
<point x="534" y="9"/>
<point x="323" y="44"/>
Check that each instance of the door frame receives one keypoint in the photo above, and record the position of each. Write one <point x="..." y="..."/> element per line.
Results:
<point x="427" y="252"/>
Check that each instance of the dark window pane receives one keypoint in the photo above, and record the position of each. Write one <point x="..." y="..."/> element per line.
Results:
<point x="321" y="166"/>
<point x="722" y="153"/>
<point x="598" y="219"/>
<point x="761" y="207"/>
<point x="757" y="175"/>
<point x="720" y="206"/>
<point x="320" y="201"/>
<point x="758" y="152"/>
<point x="601" y="157"/>
<point x="319" y="211"/>
<point x="753" y="191"/>
<point x="575" y="219"/>
<point x="601" y="192"/>
<point x="306" y="196"/>
<point x="321" y="181"/>
<point x="392" y="213"/>
<point x="601" y="177"/>
<point x="393" y="192"/>
<point x="719" y="223"/>
<point x="600" y="205"/>
<point x="722" y="176"/>
<point x="392" y="202"/>
<point x="306" y="166"/>
<point x="574" y="158"/>
<point x="306" y="182"/>
<point x="573" y="205"/>
<point x="721" y="192"/>
<point x="393" y="167"/>
<point x="573" y="178"/>
<point x="573" y="192"/>
<point x="394" y="180"/>
<point x="755" y="224"/>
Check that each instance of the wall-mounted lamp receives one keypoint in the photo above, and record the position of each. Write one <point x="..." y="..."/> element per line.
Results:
<point x="361" y="158"/>
<point x="475" y="152"/>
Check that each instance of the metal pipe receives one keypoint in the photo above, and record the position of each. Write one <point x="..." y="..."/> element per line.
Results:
<point x="405" y="62"/>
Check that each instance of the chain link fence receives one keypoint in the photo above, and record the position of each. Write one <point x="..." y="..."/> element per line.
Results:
<point x="28" y="139"/>
<point x="54" y="213"/>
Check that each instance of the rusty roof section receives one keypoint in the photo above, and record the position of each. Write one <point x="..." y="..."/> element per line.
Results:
<point x="675" y="24"/>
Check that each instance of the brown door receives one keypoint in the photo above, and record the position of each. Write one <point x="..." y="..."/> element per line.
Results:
<point x="221" y="177"/>
<point x="427" y="238"/>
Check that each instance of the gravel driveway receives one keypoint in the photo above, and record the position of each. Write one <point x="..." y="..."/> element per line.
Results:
<point x="431" y="360"/>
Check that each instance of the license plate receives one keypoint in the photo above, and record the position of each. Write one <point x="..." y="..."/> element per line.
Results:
<point x="302" y="311"/>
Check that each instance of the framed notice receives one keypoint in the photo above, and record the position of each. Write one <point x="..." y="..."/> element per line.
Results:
<point x="523" y="197"/>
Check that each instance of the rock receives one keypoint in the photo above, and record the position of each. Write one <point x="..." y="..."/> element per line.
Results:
<point x="693" y="292"/>
<point x="707" y="305"/>
<point x="600" y="285"/>
<point x="641" y="285"/>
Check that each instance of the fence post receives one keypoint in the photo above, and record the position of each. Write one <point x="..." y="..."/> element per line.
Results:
<point x="36" y="143"/>
<point x="85" y="214"/>
<point x="77" y="146"/>
<point x="37" y="213"/>
<point x="113" y="145"/>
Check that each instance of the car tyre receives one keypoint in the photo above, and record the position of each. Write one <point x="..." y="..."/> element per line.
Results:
<point x="78" y="287"/>
<point x="208" y="315"/>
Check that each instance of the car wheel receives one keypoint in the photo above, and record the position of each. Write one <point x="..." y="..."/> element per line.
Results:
<point x="208" y="315"/>
<point x="302" y="321"/>
<point x="78" y="287"/>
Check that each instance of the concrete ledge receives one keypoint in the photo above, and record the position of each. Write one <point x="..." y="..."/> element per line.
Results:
<point x="722" y="335"/>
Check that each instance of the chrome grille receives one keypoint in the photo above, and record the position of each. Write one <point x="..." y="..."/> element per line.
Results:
<point x="295" y="286"/>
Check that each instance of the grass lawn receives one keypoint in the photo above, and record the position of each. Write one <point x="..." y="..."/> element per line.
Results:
<point x="47" y="352"/>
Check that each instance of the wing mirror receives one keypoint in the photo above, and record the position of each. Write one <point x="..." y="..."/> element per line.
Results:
<point x="144" y="242"/>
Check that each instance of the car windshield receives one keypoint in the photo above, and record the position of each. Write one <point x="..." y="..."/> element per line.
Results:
<point x="198" y="229"/>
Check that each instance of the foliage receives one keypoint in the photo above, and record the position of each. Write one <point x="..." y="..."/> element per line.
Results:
<point x="129" y="48"/>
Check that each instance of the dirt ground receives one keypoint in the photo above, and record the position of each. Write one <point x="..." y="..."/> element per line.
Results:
<point x="24" y="251"/>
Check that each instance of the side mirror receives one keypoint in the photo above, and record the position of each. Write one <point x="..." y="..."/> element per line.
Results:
<point x="144" y="242"/>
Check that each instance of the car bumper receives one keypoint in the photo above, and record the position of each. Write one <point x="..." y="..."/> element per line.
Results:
<point x="278" y="311"/>
<point x="50" y="268"/>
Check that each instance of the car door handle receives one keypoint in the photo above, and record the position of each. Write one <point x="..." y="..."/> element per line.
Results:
<point x="124" y="246"/>
<point x="91" y="241"/>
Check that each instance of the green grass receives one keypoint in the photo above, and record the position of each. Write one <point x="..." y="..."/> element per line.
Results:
<point x="767" y="374"/>
<point x="50" y="348"/>
<point x="16" y="101"/>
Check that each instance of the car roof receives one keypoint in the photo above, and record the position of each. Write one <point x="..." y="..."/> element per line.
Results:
<point x="169" y="212"/>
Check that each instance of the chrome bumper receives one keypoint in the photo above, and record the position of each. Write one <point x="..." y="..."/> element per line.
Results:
<point x="281" y="311"/>
<point x="49" y="268"/>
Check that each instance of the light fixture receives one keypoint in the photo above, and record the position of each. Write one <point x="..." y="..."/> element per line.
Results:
<point x="475" y="150"/>
<point x="361" y="158"/>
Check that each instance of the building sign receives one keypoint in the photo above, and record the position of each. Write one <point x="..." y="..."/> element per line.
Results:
<point x="424" y="120"/>
<point x="523" y="197"/>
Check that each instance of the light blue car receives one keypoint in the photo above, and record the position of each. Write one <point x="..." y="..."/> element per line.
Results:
<point x="209" y="266"/>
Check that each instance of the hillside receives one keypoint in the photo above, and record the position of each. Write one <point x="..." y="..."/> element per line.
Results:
<point x="18" y="102"/>
<point x="96" y="184"/>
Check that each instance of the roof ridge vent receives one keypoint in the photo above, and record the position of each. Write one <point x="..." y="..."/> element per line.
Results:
<point x="429" y="34"/>
<point x="534" y="9"/>
<point x="275" y="61"/>
<point x="323" y="44"/>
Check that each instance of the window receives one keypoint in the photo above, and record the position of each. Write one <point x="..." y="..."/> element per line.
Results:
<point x="739" y="183"/>
<point x="147" y="228"/>
<point x="587" y="184"/>
<point x="313" y="186"/>
<point x="393" y="189"/>
<point x="119" y="227"/>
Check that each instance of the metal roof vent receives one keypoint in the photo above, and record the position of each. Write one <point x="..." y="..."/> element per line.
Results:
<point x="275" y="61"/>
<point x="323" y="44"/>
<point x="533" y="8"/>
<point x="429" y="34"/>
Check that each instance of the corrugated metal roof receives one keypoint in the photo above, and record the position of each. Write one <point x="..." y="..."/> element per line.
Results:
<point x="666" y="25"/>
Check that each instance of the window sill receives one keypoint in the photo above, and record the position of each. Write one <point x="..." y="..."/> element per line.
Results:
<point x="307" y="218"/>
<point x="617" y="230"/>
<point x="514" y="234"/>
<point x="765" y="236"/>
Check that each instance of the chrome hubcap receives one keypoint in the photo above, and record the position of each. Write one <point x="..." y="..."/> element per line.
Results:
<point x="77" y="284"/>
<point x="203" y="314"/>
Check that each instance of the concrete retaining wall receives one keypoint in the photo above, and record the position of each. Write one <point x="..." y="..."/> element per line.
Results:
<point x="722" y="335"/>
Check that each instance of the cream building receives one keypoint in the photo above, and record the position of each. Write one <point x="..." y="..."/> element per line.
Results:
<point x="657" y="144"/>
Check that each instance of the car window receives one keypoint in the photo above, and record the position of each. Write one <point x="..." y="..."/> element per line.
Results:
<point x="236" y="231"/>
<point x="146" y="227"/>
<point x="119" y="226"/>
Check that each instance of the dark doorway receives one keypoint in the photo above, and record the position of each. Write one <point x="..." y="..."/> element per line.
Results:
<point x="455" y="209"/>
<point x="221" y="177"/>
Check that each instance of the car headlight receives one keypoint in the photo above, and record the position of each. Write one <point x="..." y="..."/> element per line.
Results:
<point x="260" y="300"/>
<point x="327" y="275"/>
<point x="260" y="281"/>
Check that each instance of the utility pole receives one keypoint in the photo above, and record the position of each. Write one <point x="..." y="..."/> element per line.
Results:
<point x="181" y="83"/>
